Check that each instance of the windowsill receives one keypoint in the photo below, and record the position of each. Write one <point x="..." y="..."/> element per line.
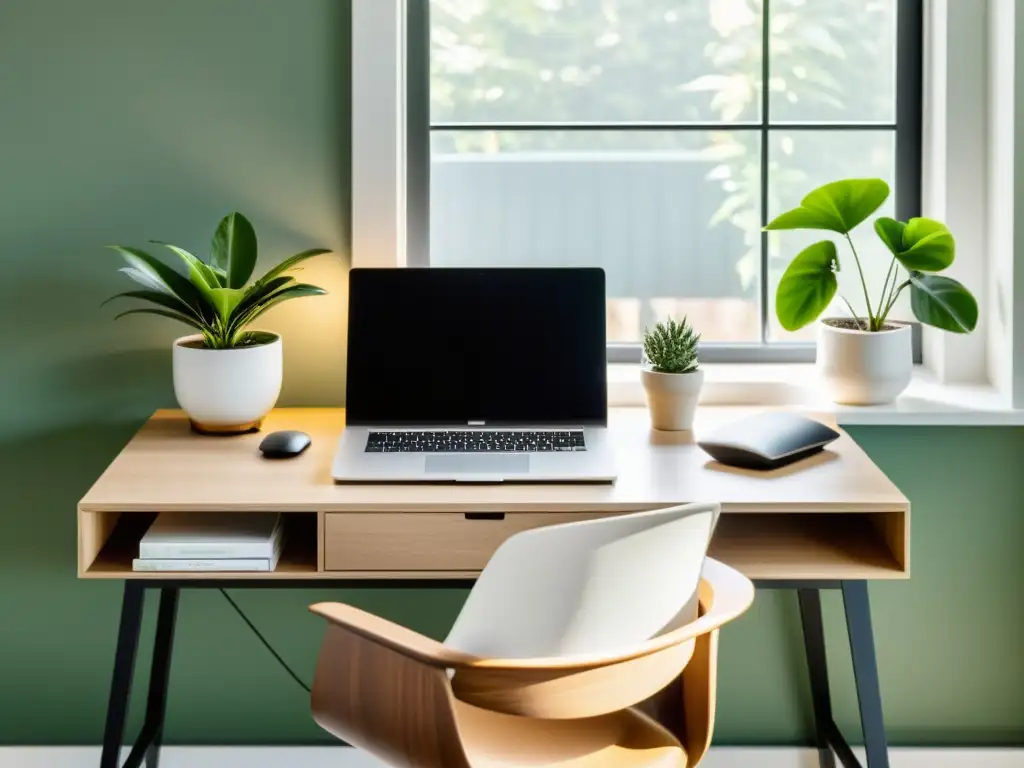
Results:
<point x="925" y="402"/>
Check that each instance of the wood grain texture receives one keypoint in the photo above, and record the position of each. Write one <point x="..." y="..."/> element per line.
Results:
<point x="385" y="689"/>
<point x="440" y="541"/>
<point x="656" y="469"/>
<point x="401" y="711"/>
<point x="574" y="693"/>
<point x="834" y="516"/>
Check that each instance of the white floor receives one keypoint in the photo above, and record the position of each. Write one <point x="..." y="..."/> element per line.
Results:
<point x="333" y="757"/>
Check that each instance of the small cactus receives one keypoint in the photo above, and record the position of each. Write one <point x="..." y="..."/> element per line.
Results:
<point x="671" y="347"/>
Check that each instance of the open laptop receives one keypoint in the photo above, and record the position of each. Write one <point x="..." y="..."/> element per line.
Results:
<point x="476" y="375"/>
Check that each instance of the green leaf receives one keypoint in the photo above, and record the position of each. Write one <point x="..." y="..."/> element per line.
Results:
<point x="891" y="233"/>
<point x="199" y="274"/>
<point x="928" y="246"/>
<point x="291" y="261"/>
<point x="942" y="302"/>
<point x="163" y="313"/>
<point x="167" y="300"/>
<point x="839" y="206"/>
<point x="175" y="283"/>
<point x="807" y="286"/>
<point x="146" y="280"/>
<point x="225" y="300"/>
<point x="921" y="244"/>
<point x="235" y="249"/>
<point x="298" y="290"/>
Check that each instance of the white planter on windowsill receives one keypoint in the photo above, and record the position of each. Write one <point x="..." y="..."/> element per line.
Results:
<point x="227" y="391"/>
<point x="863" y="368"/>
<point x="672" y="398"/>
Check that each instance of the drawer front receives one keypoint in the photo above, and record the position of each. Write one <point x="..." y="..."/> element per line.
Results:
<point x="425" y="541"/>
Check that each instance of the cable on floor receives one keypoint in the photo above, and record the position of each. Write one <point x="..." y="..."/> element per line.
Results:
<point x="263" y="640"/>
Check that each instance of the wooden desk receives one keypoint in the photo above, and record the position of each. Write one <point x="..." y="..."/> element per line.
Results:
<point x="832" y="521"/>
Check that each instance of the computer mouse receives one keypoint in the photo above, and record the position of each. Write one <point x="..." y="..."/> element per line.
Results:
<point x="284" y="444"/>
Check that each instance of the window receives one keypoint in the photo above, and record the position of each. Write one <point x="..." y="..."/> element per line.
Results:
<point x="654" y="138"/>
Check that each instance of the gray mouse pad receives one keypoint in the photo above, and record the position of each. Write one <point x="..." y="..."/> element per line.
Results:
<point x="492" y="464"/>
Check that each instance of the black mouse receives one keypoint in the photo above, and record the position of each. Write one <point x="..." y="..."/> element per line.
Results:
<point x="284" y="444"/>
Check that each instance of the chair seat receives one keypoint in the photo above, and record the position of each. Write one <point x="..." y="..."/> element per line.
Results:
<point x="624" y="739"/>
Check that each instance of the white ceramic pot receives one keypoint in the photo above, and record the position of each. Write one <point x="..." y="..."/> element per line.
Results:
<point x="226" y="391"/>
<point x="862" y="368"/>
<point x="672" y="398"/>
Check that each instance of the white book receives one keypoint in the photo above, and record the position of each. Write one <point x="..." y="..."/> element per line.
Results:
<point x="247" y="564"/>
<point x="201" y="536"/>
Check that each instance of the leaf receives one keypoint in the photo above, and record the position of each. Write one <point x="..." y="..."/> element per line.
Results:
<point x="291" y="261"/>
<point x="174" y="283"/>
<point x="839" y="206"/>
<point x="928" y="244"/>
<point x="146" y="280"/>
<point x="199" y="274"/>
<point x="298" y="290"/>
<point x="891" y="233"/>
<point x="225" y="300"/>
<point x="235" y="249"/>
<point x="163" y="313"/>
<point x="921" y="244"/>
<point x="807" y="286"/>
<point x="166" y="300"/>
<point x="942" y="302"/>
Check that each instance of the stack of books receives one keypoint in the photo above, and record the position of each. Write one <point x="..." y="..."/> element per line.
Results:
<point x="180" y="541"/>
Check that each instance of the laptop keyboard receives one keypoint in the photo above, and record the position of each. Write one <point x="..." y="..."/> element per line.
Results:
<point x="476" y="441"/>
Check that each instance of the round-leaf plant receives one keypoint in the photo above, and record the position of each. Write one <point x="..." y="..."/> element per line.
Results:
<point x="921" y="247"/>
<point x="215" y="297"/>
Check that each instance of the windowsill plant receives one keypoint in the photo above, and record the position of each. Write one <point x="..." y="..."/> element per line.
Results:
<point x="866" y="358"/>
<point x="671" y="377"/>
<point x="226" y="376"/>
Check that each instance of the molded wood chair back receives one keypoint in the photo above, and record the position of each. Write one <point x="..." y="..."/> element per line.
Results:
<point x="568" y="629"/>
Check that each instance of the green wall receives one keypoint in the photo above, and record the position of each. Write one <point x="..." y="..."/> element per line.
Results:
<point x="125" y="120"/>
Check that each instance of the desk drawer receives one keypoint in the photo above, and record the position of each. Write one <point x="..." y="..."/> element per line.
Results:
<point x="425" y="541"/>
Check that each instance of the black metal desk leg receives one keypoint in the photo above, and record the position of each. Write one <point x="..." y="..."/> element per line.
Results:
<point x="124" y="666"/>
<point x="156" y="703"/>
<point x="865" y="671"/>
<point x="817" y="666"/>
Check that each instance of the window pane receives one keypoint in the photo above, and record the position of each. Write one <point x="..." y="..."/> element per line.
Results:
<point x="833" y="61"/>
<point x="803" y="160"/>
<point x="670" y="216"/>
<point x="595" y="60"/>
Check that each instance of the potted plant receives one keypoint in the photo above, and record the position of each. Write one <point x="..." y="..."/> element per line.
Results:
<point x="671" y="378"/>
<point x="226" y="377"/>
<point x="866" y="359"/>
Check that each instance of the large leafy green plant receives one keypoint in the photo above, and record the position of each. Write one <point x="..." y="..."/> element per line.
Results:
<point x="213" y="297"/>
<point x="922" y="247"/>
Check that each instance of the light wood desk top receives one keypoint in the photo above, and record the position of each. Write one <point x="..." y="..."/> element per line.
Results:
<point x="837" y="513"/>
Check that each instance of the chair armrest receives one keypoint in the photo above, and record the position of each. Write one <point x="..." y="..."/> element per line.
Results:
<point x="725" y="593"/>
<point x="394" y="636"/>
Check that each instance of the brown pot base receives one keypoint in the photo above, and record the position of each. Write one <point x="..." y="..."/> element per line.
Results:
<point x="226" y="429"/>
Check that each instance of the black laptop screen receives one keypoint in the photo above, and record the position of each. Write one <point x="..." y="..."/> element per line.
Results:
<point x="453" y="346"/>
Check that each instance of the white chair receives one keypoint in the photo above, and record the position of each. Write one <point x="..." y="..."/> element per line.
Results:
<point x="567" y="630"/>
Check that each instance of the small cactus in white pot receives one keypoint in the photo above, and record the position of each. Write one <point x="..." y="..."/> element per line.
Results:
<point x="671" y="375"/>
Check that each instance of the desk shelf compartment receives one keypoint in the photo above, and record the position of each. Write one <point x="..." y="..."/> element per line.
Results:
<point x="109" y="541"/>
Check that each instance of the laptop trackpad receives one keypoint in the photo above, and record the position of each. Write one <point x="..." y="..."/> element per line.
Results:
<point x="487" y="463"/>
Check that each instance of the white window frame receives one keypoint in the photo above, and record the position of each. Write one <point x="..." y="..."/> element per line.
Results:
<point x="974" y="93"/>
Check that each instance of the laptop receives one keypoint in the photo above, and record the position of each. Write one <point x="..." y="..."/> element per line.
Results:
<point x="476" y="375"/>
